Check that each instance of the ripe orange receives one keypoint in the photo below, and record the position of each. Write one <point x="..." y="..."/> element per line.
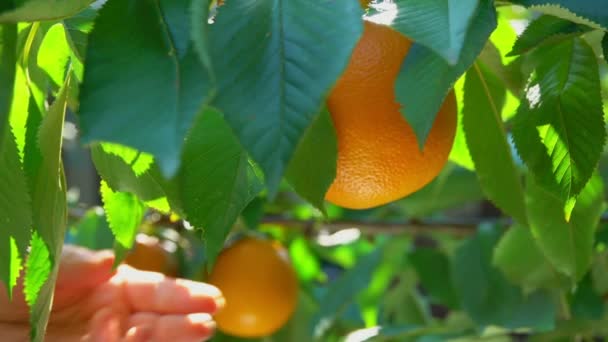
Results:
<point x="149" y="255"/>
<point x="259" y="285"/>
<point x="379" y="160"/>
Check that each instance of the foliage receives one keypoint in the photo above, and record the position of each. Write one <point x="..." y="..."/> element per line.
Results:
<point x="206" y="120"/>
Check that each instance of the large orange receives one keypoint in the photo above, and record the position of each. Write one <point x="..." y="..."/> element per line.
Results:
<point x="259" y="285"/>
<point x="379" y="160"/>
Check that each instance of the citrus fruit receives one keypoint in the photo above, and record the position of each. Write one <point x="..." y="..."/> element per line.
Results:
<point x="259" y="285"/>
<point x="379" y="159"/>
<point x="149" y="255"/>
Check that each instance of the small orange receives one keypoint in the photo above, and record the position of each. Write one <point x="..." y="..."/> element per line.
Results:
<point x="149" y="255"/>
<point x="379" y="160"/>
<point x="259" y="285"/>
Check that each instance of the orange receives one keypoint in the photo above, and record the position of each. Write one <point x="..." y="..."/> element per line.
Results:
<point x="259" y="285"/>
<point x="379" y="159"/>
<point x="149" y="255"/>
<point x="364" y="3"/>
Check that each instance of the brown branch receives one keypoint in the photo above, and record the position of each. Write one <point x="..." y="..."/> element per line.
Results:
<point x="369" y="228"/>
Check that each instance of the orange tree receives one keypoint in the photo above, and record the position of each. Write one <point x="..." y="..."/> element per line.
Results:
<point x="362" y="140"/>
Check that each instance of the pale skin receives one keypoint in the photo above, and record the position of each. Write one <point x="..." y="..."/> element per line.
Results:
<point x="94" y="303"/>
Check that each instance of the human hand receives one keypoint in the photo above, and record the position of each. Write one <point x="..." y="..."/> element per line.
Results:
<point x="94" y="303"/>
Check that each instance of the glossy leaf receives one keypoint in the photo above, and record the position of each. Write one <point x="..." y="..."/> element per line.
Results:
<point x="588" y="12"/>
<point x="488" y="143"/>
<point x="559" y="131"/>
<point x="313" y="167"/>
<point x="148" y="90"/>
<point x="441" y="25"/>
<point x="275" y="61"/>
<point x="425" y="78"/>
<point x="546" y="29"/>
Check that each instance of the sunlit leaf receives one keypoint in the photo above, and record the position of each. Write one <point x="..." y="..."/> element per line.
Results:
<point x="488" y="143"/>
<point x="559" y="131"/>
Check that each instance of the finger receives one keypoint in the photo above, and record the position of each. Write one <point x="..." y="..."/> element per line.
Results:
<point x="139" y="333"/>
<point x="153" y="292"/>
<point x="84" y="268"/>
<point x="104" y="326"/>
<point x="192" y="327"/>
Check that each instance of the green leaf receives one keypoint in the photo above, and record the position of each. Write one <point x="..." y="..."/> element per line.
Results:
<point x="585" y="302"/>
<point x="344" y="290"/>
<point x="127" y="170"/>
<point x="425" y="78"/>
<point x="54" y="54"/>
<point x="148" y="96"/>
<point x="454" y="187"/>
<point x="605" y="46"/>
<point x="313" y="167"/>
<point x="546" y="29"/>
<point x="487" y="141"/>
<point x="523" y="263"/>
<point x="124" y="213"/>
<point x="15" y="211"/>
<point x="8" y="56"/>
<point x="392" y="265"/>
<point x="487" y="297"/>
<point x="177" y="18"/>
<point x="559" y="131"/>
<point x="50" y="211"/>
<point x="567" y="245"/>
<point x="91" y="231"/>
<point x="440" y="25"/>
<point x="216" y="181"/>
<point x="77" y="28"/>
<point x="39" y="285"/>
<point x="200" y="33"/>
<point x="587" y="12"/>
<point x="306" y="263"/>
<point x="276" y="60"/>
<point x="433" y="269"/>
<point x="40" y="10"/>
<point x="48" y="191"/>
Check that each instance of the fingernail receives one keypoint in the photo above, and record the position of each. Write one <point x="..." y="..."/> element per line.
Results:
<point x="220" y="302"/>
